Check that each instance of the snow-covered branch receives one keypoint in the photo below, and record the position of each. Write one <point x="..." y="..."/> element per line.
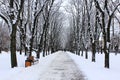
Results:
<point x="5" y="18"/>
<point x="115" y="9"/>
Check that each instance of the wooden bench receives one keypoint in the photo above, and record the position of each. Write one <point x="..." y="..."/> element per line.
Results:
<point x="27" y="63"/>
<point x="31" y="61"/>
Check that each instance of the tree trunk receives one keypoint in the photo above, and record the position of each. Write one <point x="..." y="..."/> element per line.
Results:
<point x="93" y="52"/>
<point x="0" y="49"/>
<point x="40" y="46"/>
<point x="13" y="37"/>
<point x="101" y="50"/>
<point x="13" y="46"/>
<point x="79" y="52"/>
<point x="43" y="52"/>
<point x="20" y="45"/>
<point x="82" y="51"/>
<point x="86" y="53"/>
<point x="106" y="59"/>
<point x="44" y="49"/>
<point x="106" y="51"/>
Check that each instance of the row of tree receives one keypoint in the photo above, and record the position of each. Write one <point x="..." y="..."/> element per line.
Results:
<point x="4" y="37"/>
<point x="91" y="23"/>
<point x="34" y="25"/>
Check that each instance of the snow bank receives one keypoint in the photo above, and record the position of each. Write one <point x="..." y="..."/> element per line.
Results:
<point x="20" y="72"/>
<point x="96" y="71"/>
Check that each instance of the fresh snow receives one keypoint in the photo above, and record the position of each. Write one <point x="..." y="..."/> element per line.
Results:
<point x="91" y="70"/>
<point x="20" y="72"/>
<point x="96" y="70"/>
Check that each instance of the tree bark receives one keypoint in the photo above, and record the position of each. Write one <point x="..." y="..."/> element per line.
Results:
<point x="13" y="38"/>
<point x="13" y="46"/>
<point x="106" y="59"/>
<point x="93" y="52"/>
<point x="86" y="53"/>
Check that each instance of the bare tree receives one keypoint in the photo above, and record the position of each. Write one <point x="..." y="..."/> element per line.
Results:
<point x="12" y="17"/>
<point x="106" y="13"/>
<point x="4" y="37"/>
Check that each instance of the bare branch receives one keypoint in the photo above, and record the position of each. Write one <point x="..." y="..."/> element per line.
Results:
<point x="115" y="9"/>
<point x="5" y="18"/>
<point x="98" y="6"/>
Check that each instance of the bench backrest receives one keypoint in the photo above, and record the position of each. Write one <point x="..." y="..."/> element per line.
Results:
<point x="31" y="58"/>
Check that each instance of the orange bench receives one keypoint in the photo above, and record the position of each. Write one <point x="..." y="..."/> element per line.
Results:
<point x="30" y="60"/>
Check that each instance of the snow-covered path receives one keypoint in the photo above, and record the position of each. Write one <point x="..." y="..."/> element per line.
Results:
<point x="59" y="66"/>
<point x="62" y="68"/>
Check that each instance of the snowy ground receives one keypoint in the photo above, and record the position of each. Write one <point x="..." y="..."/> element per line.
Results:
<point x="62" y="68"/>
<point x="96" y="71"/>
<point x="91" y="71"/>
<point x="22" y="73"/>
